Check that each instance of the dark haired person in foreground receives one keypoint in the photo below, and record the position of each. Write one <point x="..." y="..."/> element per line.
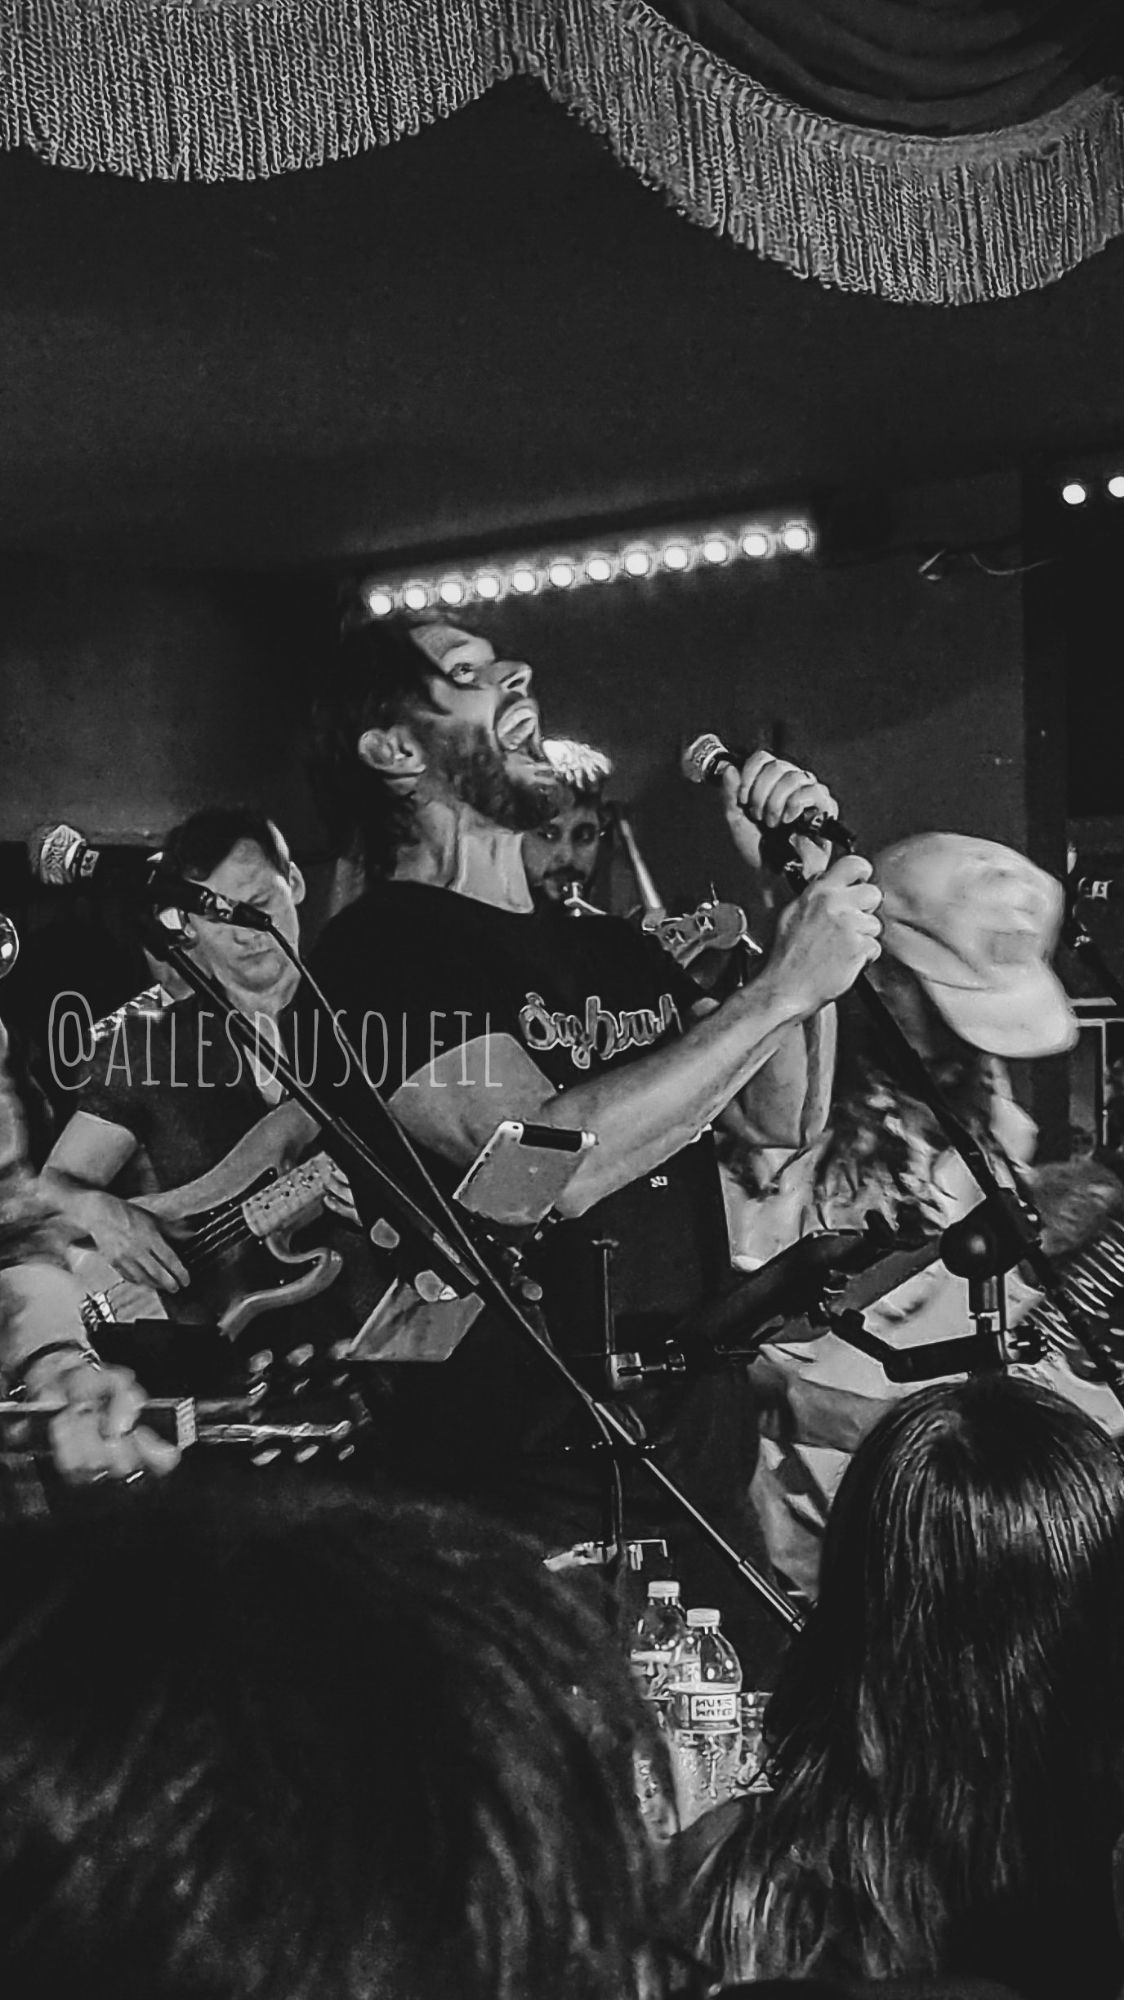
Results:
<point x="944" y="1733"/>
<point x="318" y="1751"/>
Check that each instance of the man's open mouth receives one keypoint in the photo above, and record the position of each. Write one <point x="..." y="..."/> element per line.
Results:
<point x="517" y="728"/>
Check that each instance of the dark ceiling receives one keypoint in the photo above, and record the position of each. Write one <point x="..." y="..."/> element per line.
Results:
<point x="480" y="329"/>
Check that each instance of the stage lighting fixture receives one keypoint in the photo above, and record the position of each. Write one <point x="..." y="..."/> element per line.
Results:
<point x="1074" y="493"/>
<point x="716" y="549"/>
<point x="524" y="580"/>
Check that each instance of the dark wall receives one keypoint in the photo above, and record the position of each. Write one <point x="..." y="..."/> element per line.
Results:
<point x="128" y="699"/>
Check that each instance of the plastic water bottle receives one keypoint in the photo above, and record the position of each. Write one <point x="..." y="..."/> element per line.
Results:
<point x="702" y="1681"/>
<point x="659" y="1629"/>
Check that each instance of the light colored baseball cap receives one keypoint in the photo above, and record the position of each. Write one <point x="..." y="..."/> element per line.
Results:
<point x="977" y="923"/>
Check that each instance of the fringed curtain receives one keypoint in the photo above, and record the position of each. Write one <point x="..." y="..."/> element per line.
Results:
<point x="929" y="151"/>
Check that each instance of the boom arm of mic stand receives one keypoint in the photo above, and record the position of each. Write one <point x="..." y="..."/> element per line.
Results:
<point x="464" y="1253"/>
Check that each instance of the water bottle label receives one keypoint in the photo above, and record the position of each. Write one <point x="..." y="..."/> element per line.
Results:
<point x="710" y="1710"/>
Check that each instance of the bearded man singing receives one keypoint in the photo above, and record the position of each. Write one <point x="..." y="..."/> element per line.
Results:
<point x="474" y="1009"/>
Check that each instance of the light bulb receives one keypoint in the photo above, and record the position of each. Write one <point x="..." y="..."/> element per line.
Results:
<point x="755" y="542"/>
<point x="598" y="569"/>
<point x="487" y="584"/>
<point x="524" y="580"/>
<point x="637" y="562"/>
<point x="561" y="573"/>
<point x="415" y="597"/>
<point x="797" y="537"/>
<point x="675" y="556"/>
<point x="1074" y="494"/>
<point x="380" y="603"/>
<point x="452" y="590"/>
<point x="1116" y="486"/>
<point x="716" y="549"/>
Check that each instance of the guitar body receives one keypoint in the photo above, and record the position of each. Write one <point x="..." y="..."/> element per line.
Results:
<point x="233" y="1227"/>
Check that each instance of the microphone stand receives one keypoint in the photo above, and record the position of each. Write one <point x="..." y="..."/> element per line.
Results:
<point x="441" y="1228"/>
<point x="1007" y="1233"/>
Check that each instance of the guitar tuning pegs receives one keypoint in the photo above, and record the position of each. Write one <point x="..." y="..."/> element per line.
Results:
<point x="299" y="1357"/>
<point x="260" y="1363"/>
<point x="306" y="1452"/>
<point x="266" y="1457"/>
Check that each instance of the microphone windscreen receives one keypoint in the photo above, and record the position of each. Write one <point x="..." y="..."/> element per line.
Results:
<point x="51" y="852"/>
<point x="698" y="760"/>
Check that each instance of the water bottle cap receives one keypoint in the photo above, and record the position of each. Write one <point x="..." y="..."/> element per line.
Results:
<point x="663" y="1593"/>
<point x="706" y="1619"/>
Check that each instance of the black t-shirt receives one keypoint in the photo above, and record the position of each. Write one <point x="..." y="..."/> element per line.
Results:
<point x="172" y="1074"/>
<point x="432" y="984"/>
<point x="169" y="1073"/>
<point x="440" y="992"/>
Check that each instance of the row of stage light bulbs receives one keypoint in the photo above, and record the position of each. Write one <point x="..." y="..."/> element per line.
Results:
<point x="1076" y="492"/>
<point x="525" y="578"/>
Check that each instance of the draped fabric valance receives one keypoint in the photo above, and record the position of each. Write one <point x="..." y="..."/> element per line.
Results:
<point x="866" y="143"/>
<point x="933" y="66"/>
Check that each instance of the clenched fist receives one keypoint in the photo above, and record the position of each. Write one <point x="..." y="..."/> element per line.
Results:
<point x="774" y="793"/>
<point x="826" y="937"/>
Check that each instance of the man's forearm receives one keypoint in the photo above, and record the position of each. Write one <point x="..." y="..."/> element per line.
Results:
<point x="76" y="1201"/>
<point x="644" y="1113"/>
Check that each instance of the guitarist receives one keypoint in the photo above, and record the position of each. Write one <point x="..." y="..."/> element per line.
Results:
<point x="968" y="929"/>
<point x="166" y="1095"/>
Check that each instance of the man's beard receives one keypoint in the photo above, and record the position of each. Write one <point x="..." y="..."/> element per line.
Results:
<point x="467" y="759"/>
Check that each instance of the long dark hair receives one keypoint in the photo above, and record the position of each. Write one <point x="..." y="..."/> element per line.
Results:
<point x="316" y="1748"/>
<point x="942" y="1734"/>
<point x="875" y="1123"/>
<point x="378" y="677"/>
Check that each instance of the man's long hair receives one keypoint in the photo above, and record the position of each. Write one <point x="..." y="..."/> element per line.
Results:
<point x="316" y="1748"/>
<point x="379" y="677"/>
<point x="942" y="1732"/>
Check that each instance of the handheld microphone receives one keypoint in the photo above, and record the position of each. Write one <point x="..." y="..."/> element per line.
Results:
<point x="61" y="858"/>
<point x="703" y="763"/>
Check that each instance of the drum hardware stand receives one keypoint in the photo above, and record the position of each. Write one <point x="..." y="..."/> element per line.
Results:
<point x="456" y="1252"/>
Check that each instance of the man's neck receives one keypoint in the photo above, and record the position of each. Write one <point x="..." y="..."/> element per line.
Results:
<point x="454" y="848"/>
